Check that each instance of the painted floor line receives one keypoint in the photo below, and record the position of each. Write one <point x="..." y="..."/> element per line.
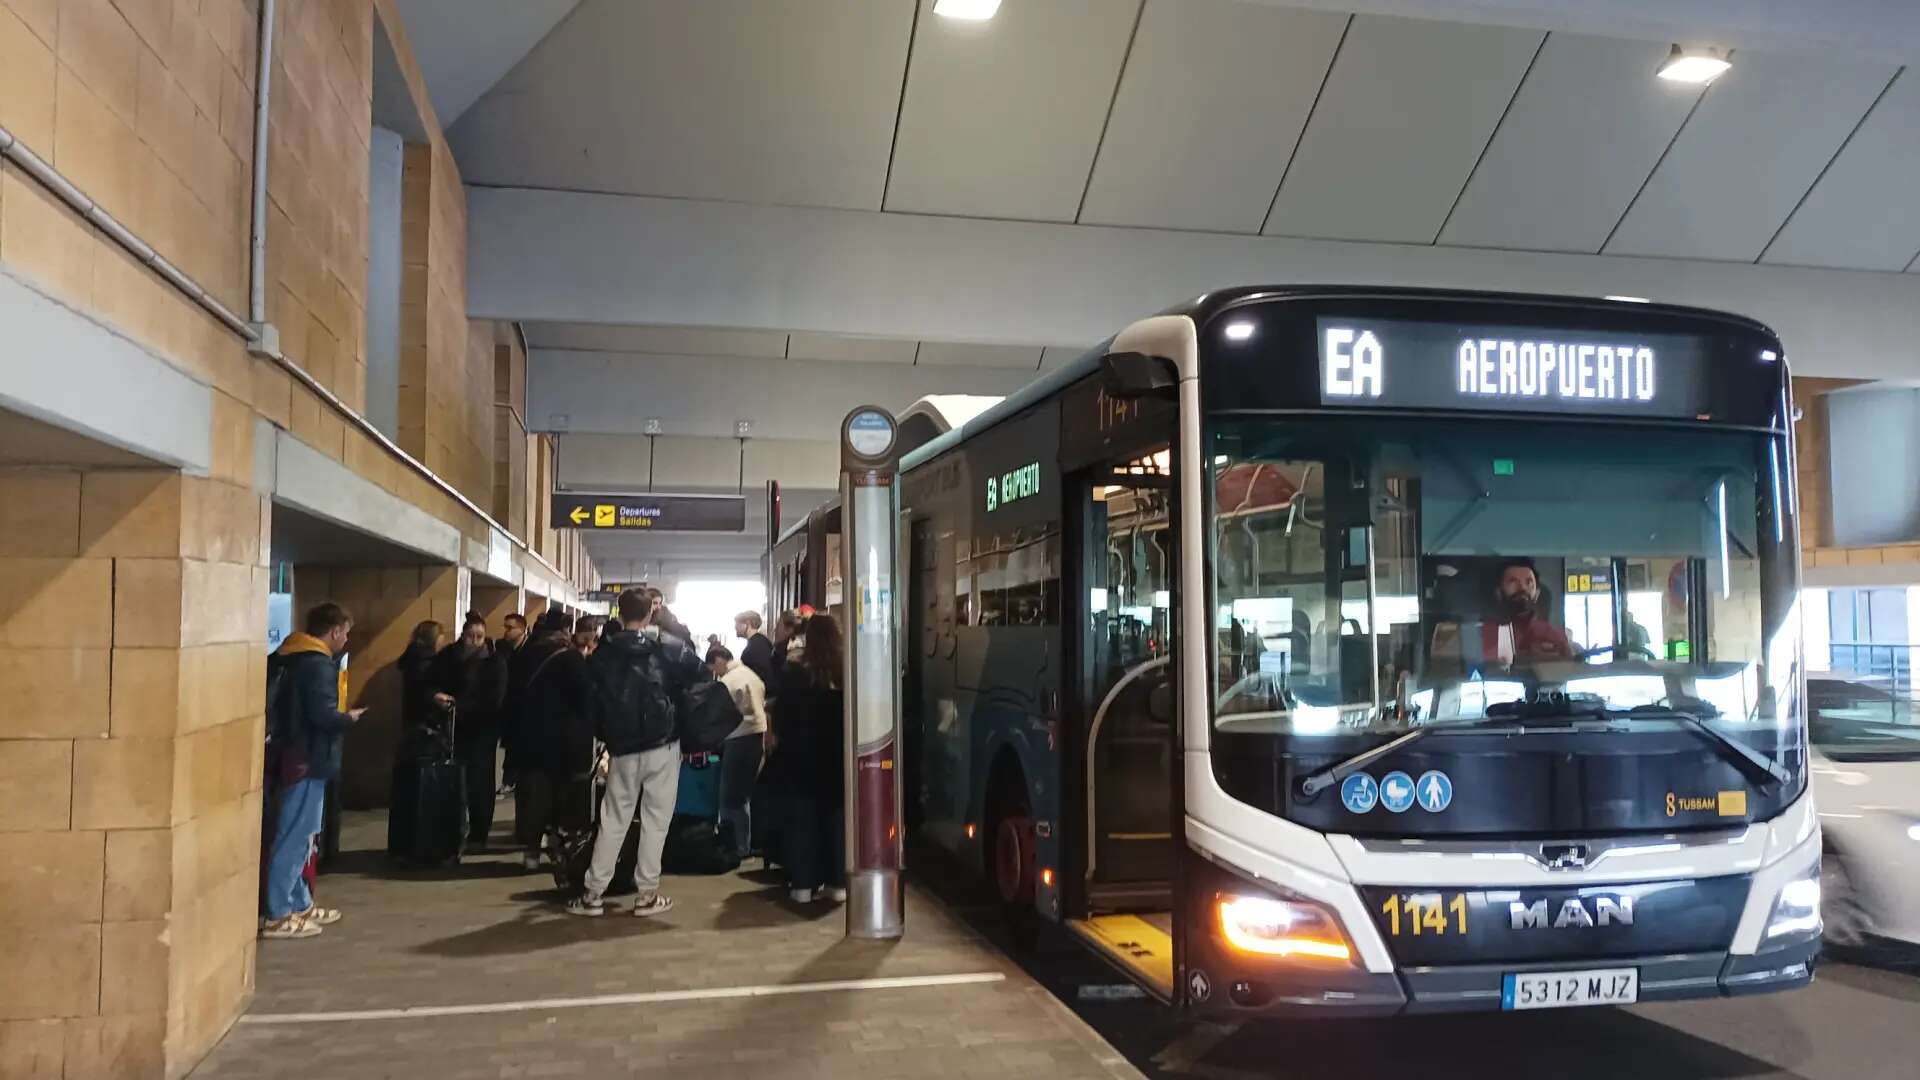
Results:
<point x="905" y="982"/>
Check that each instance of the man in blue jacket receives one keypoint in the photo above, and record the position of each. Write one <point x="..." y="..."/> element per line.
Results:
<point x="637" y="675"/>
<point x="304" y="726"/>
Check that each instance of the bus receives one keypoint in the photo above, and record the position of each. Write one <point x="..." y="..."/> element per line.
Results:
<point x="1358" y="651"/>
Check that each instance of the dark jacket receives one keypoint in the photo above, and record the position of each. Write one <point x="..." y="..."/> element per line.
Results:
<point x="520" y="666"/>
<point x="420" y="718"/>
<point x="810" y="737"/>
<point x="476" y="681"/>
<point x="758" y="657"/>
<point x="637" y="677"/>
<point x="306" y="709"/>
<point x="553" y="713"/>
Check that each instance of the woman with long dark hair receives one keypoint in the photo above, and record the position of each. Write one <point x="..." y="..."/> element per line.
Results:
<point x="808" y="731"/>
<point x="420" y="717"/>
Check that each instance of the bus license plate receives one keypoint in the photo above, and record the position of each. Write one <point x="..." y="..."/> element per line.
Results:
<point x="1570" y="989"/>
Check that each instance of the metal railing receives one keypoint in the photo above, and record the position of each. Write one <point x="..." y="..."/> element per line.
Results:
<point x="1877" y="674"/>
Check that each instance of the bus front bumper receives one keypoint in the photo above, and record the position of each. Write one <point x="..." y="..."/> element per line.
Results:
<point x="1473" y="988"/>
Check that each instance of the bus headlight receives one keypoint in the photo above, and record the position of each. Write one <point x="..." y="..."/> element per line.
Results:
<point x="1266" y="926"/>
<point x="1796" y="912"/>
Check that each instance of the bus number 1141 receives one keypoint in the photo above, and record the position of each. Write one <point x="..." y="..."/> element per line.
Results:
<point x="1425" y="913"/>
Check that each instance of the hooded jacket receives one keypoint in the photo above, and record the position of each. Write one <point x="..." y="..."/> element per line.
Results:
<point x="307" y="716"/>
<point x="638" y="676"/>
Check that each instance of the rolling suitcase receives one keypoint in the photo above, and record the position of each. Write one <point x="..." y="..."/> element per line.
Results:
<point x="427" y="818"/>
<point x="699" y="793"/>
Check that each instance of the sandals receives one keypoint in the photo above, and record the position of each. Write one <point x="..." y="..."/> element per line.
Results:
<point x="320" y="916"/>
<point x="291" y="927"/>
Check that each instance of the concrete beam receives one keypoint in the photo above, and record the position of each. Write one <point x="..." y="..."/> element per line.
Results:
<point x="63" y="368"/>
<point x="617" y="393"/>
<point x="609" y="258"/>
<point x="306" y="478"/>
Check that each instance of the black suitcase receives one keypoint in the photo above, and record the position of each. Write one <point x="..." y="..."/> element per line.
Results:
<point x="427" y="818"/>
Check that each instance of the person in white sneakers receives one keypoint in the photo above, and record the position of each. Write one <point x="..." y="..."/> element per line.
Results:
<point x="637" y="675"/>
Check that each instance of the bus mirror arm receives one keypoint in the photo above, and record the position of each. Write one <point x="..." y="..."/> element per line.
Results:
<point x="1138" y="375"/>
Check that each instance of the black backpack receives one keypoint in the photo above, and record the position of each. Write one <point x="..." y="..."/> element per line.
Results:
<point x="707" y="716"/>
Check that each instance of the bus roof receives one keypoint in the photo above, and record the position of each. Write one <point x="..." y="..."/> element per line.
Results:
<point x="1204" y="307"/>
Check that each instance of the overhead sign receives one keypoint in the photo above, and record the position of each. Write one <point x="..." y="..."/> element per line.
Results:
<point x="1407" y="364"/>
<point x="1013" y="485"/>
<point x="651" y="512"/>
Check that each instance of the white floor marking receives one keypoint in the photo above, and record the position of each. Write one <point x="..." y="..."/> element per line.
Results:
<point x="906" y="982"/>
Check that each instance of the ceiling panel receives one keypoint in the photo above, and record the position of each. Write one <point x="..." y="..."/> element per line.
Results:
<point x="673" y="340"/>
<point x="951" y="354"/>
<point x="806" y="346"/>
<point x="1583" y="134"/>
<point x="777" y="101"/>
<point x="1405" y="113"/>
<point x="1754" y="146"/>
<point x="1001" y="117"/>
<point x="1212" y="102"/>
<point x="1865" y="212"/>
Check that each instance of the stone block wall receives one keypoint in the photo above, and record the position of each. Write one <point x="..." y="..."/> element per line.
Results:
<point x="133" y="602"/>
<point x="132" y="612"/>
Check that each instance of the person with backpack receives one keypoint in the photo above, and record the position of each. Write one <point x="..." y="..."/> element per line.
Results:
<point x="551" y="707"/>
<point x="743" y="750"/>
<point x="305" y="726"/>
<point x="638" y="673"/>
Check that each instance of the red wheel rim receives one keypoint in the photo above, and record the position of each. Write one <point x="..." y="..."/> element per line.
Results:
<point x="1013" y="859"/>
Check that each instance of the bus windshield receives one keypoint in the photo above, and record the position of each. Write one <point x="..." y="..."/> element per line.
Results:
<point x="1374" y="575"/>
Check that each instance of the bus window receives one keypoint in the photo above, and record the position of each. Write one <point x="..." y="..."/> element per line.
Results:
<point x="1379" y="575"/>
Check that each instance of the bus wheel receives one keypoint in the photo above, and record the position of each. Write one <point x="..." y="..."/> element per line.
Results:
<point x="1010" y="856"/>
<point x="1013" y="859"/>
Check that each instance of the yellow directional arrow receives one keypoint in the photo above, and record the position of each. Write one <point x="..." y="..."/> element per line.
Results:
<point x="578" y="515"/>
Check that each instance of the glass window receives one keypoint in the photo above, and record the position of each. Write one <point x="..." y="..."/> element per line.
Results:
<point x="1375" y="575"/>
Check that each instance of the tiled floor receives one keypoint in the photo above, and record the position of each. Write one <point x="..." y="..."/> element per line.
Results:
<point x="485" y="933"/>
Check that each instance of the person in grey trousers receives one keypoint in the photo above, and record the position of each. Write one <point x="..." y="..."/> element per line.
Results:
<point x="637" y="675"/>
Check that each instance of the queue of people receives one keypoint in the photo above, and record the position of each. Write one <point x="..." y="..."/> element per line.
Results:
<point x="576" y="704"/>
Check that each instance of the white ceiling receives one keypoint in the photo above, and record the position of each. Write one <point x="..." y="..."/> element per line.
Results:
<point x="463" y="47"/>
<point x="648" y="343"/>
<point x="1241" y="116"/>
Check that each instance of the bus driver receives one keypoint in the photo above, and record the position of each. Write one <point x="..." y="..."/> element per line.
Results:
<point x="1519" y="629"/>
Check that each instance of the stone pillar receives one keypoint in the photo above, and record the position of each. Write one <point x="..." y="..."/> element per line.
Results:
<point x="495" y="603"/>
<point x="132" y="629"/>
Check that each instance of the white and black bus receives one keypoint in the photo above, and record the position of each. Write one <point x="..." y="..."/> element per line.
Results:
<point x="1357" y="651"/>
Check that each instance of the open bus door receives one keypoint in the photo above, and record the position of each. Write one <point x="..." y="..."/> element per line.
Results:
<point x="1123" y="757"/>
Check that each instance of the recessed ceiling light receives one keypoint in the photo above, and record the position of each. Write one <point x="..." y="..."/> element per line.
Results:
<point x="1695" y="64"/>
<point x="975" y="10"/>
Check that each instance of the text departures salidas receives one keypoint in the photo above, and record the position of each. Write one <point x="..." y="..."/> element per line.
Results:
<point x="1013" y="485"/>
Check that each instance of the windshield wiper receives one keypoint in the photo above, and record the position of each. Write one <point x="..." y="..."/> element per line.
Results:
<point x="1758" y="767"/>
<point x="1326" y="776"/>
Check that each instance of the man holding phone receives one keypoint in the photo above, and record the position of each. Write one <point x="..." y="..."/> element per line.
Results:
<point x="305" y="726"/>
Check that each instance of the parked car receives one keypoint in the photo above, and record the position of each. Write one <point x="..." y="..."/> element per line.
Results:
<point x="1866" y="778"/>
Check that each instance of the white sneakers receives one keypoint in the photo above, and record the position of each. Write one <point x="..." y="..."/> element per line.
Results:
<point x="648" y="906"/>
<point x="838" y="896"/>
<point x="290" y="928"/>
<point x="800" y="896"/>
<point x="807" y="896"/>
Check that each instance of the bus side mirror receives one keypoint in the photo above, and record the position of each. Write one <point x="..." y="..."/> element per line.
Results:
<point x="1137" y="375"/>
<point x="1160" y="702"/>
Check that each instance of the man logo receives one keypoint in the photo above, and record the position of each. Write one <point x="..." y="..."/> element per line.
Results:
<point x="1573" y="912"/>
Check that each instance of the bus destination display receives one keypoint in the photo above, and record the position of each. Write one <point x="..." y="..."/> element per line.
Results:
<point x="1429" y="365"/>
